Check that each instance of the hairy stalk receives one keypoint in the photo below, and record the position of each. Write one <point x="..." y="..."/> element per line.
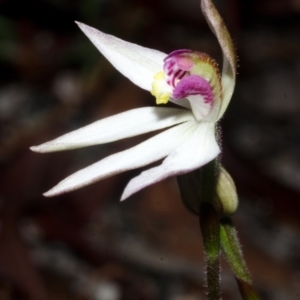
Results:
<point x="210" y="228"/>
<point x="233" y="253"/>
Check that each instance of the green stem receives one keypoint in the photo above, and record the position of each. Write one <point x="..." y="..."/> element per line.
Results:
<point x="210" y="228"/>
<point x="232" y="250"/>
<point x="198" y="192"/>
<point x="233" y="253"/>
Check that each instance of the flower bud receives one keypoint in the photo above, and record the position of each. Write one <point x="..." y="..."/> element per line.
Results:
<point x="226" y="196"/>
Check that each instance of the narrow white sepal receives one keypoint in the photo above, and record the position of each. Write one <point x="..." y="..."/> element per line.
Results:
<point x="220" y="30"/>
<point x="143" y="154"/>
<point x="127" y="124"/>
<point x="198" y="150"/>
<point x="137" y="63"/>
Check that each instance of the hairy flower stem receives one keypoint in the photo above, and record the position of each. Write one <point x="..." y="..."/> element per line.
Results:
<point x="198" y="192"/>
<point x="233" y="253"/>
<point x="210" y="228"/>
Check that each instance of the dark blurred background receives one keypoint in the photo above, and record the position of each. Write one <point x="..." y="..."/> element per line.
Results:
<point x="86" y="244"/>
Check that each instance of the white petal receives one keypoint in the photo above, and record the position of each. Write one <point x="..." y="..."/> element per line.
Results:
<point x="145" y="153"/>
<point x="120" y="126"/>
<point x="197" y="151"/>
<point x="219" y="28"/>
<point x="137" y="63"/>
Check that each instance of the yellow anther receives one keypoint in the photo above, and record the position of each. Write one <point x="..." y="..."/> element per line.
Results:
<point x="159" y="76"/>
<point x="160" y="89"/>
<point x="162" y="98"/>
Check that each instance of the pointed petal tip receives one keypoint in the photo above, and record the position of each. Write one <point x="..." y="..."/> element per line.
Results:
<point x="55" y="191"/>
<point x="126" y="195"/>
<point x="39" y="149"/>
<point x="34" y="148"/>
<point x="89" y="31"/>
<point x="85" y="28"/>
<point x="48" y="194"/>
<point x="123" y="197"/>
<point x="80" y="25"/>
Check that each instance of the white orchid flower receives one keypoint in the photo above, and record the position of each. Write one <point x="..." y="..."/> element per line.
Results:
<point x="188" y="78"/>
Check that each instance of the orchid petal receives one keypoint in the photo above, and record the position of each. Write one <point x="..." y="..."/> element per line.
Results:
<point x="219" y="28"/>
<point x="143" y="154"/>
<point x="198" y="150"/>
<point x="137" y="63"/>
<point x="120" y="126"/>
